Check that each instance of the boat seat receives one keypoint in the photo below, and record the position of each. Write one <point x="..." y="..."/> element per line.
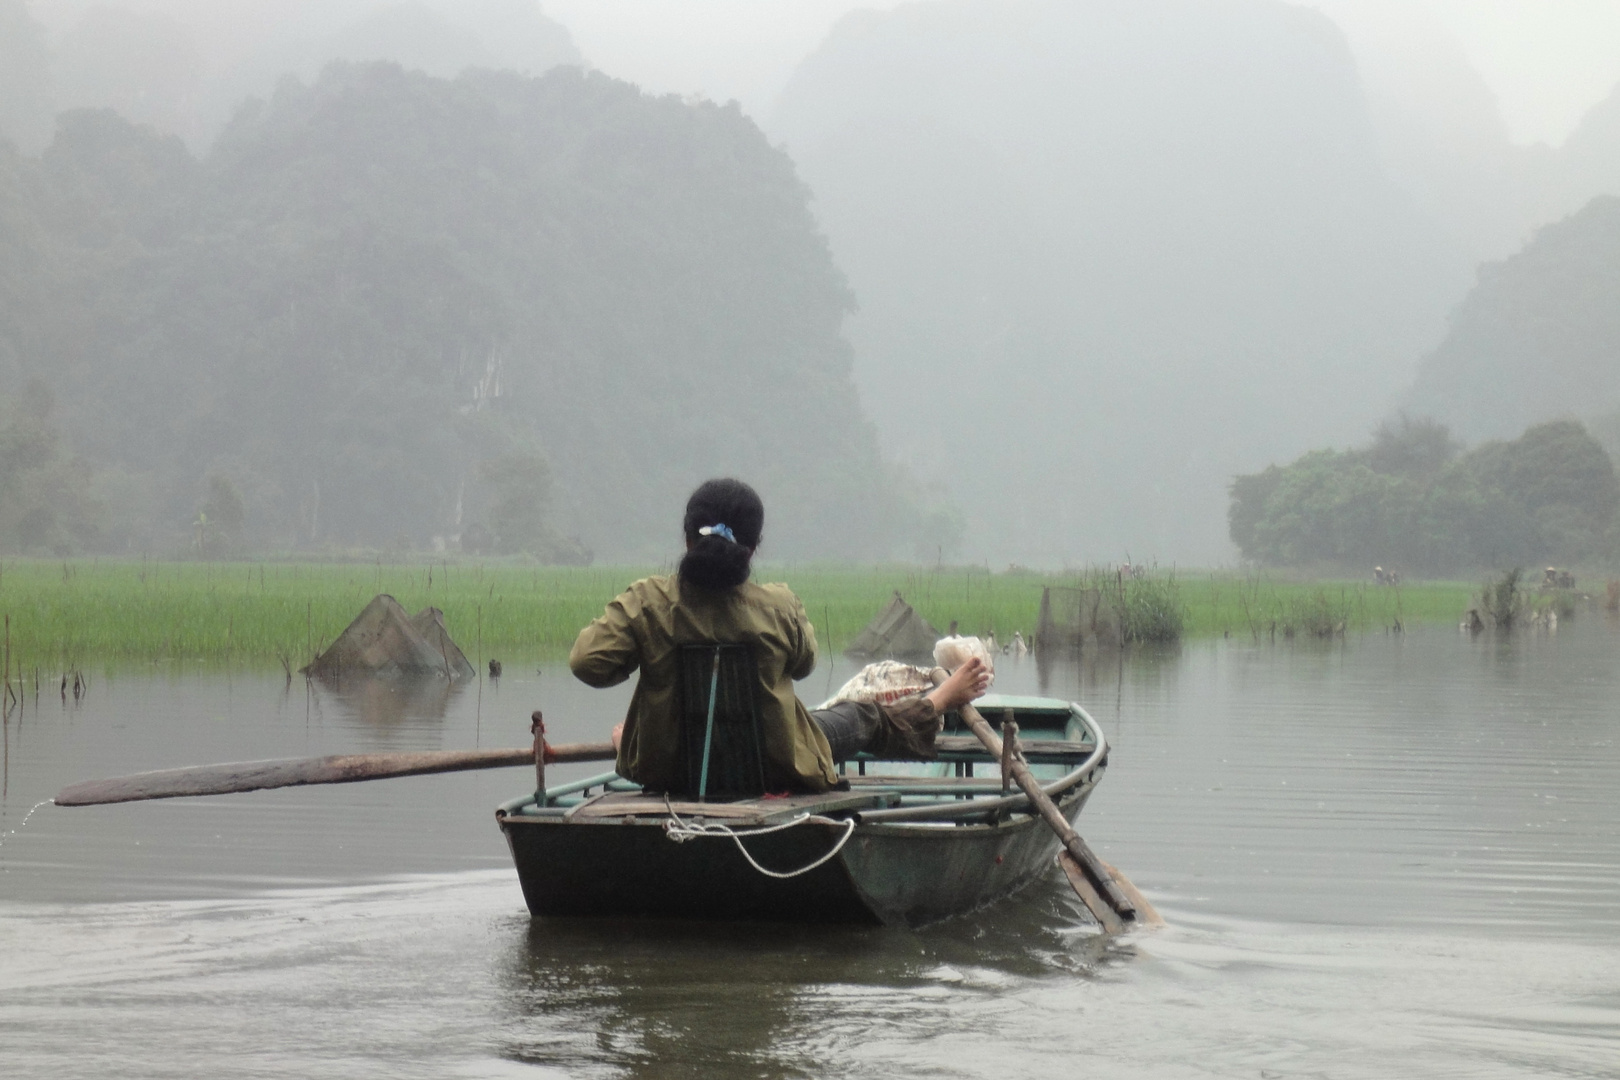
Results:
<point x="622" y="806"/>
<point x="722" y="736"/>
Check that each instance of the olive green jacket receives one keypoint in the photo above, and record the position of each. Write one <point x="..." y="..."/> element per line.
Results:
<point x="645" y="626"/>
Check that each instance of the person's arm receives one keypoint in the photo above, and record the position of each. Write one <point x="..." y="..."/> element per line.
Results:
<point x="606" y="652"/>
<point x="803" y="660"/>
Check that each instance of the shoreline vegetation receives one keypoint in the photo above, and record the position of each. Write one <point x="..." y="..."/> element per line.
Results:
<point x="66" y="616"/>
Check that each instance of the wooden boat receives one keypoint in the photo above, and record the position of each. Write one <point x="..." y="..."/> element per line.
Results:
<point x="908" y="843"/>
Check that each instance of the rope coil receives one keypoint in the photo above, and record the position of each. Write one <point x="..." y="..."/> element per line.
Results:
<point x="680" y="830"/>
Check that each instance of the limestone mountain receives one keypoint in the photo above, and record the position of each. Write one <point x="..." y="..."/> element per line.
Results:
<point x="393" y="309"/>
<point x="1538" y="337"/>
<point x="1113" y="252"/>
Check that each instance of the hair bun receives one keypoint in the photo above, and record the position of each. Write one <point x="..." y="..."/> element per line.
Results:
<point x="723" y="523"/>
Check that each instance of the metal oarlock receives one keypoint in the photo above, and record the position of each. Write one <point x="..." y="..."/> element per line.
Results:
<point x="1009" y="750"/>
<point x="537" y="725"/>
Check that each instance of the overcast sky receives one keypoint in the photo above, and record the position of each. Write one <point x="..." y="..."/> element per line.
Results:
<point x="1547" y="60"/>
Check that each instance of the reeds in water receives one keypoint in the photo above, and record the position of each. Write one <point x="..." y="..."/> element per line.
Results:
<point x="66" y="616"/>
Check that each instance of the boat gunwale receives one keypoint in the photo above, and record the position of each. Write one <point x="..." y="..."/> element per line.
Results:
<point x="1006" y="804"/>
<point x="953" y="811"/>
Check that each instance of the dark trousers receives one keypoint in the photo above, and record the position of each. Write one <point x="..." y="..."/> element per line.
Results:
<point x="850" y="727"/>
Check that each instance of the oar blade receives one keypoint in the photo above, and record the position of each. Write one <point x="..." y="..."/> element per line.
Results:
<point x="1100" y="910"/>
<point x="177" y="783"/>
<point x="243" y="776"/>
<point x="1146" y="914"/>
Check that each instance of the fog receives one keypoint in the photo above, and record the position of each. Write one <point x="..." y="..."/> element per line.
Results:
<point x="1050" y="275"/>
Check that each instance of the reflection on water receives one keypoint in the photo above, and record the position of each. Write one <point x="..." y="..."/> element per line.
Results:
<point x="759" y="1000"/>
<point x="1387" y="856"/>
<point x="387" y="701"/>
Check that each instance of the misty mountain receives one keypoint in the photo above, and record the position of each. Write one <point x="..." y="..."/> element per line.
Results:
<point x="1591" y="155"/>
<point x="439" y="37"/>
<point x="1443" y="139"/>
<point x="389" y="308"/>
<point x="1490" y="194"/>
<point x="26" y="103"/>
<point x="1111" y="253"/>
<point x="1538" y="337"/>
<point x="144" y="65"/>
<point x="185" y="70"/>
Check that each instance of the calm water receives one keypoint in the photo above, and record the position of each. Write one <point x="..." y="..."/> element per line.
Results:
<point x="1390" y="857"/>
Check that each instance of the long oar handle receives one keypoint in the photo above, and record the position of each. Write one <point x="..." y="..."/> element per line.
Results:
<point x="291" y="772"/>
<point x="1077" y="848"/>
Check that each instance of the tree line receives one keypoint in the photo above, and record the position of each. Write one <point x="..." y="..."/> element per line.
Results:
<point x="1415" y="500"/>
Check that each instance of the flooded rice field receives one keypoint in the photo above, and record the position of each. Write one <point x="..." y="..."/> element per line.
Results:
<point x="1390" y="856"/>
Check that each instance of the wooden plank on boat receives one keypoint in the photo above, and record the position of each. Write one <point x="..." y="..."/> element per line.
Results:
<point x="741" y="812"/>
<point x="1089" y="896"/>
<point x="619" y="804"/>
<point x="1037" y="751"/>
<point x="965" y="785"/>
<point x="573" y="811"/>
<point x="831" y="802"/>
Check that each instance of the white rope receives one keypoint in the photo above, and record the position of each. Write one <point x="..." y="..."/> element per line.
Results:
<point x="680" y="831"/>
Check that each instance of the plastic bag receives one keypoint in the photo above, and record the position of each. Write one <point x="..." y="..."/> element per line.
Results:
<point x="951" y="653"/>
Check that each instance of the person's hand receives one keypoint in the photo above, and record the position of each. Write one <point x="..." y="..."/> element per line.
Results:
<point x="618" y="736"/>
<point x="966" y="683"/>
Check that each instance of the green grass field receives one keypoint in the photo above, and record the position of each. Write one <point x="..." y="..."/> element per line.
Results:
<point x="76" y="614"/>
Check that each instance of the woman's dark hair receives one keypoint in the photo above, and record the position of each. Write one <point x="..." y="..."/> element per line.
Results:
<point x="714" y="561"/>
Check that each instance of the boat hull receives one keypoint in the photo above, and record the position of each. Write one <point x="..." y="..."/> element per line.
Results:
<point x="896" y="874"/>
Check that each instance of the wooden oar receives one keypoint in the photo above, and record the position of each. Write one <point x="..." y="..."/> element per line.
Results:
<point x="1092" y="882"/>
<point x="291" y="772"/>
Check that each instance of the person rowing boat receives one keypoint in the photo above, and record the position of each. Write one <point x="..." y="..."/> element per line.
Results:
<point x="711" y="601"/>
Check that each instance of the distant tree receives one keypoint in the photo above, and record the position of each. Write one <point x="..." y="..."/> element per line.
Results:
<point x="1247" y="509"/>
<point x="1552" y="494"/>
<point x="1553" y="467"/>
<point x="1329" y="507"/>
<point x="522" y="493"/>
<point x="45" y="502"/>
<point x="1411" y="447"/>
<point x="221" y="519"/>
<point x="1606" y="430"/>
